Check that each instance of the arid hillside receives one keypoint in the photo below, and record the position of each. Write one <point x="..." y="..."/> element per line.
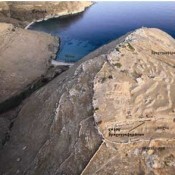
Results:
<point x="22" y="13"/>
<point x="112" y="113"/>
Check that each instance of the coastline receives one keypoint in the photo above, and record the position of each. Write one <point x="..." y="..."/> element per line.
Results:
<point x="54" y="62"/>
<point x="57" y="16"/>
<point x="111" y="112"/>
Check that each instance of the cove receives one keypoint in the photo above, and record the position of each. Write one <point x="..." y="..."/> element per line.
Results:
<point x="103" y="22"/>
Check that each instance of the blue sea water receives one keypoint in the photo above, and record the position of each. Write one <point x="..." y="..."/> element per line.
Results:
<point x="104" y="22"/>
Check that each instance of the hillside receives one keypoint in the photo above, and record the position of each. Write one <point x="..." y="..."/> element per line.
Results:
<point x="113" y="112"/>
<point x="22" y="13"/>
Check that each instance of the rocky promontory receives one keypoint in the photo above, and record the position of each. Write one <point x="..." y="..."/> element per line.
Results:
<point x="25" y="56"/>
<point x="112" y="113"/>
<point x="23" y="13"/>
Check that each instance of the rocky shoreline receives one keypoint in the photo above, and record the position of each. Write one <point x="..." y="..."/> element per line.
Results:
<point x="23" y="14"/>
<point x="60" y="15"/>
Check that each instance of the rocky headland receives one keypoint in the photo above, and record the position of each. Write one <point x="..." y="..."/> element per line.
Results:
<point x="21" y="14"/>
<point x="113" y="112"/>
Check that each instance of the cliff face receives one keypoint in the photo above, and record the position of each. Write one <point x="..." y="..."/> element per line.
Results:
<point x="25" y="56"/>
<point x="22" y="13"/>
<point x="111" y="113"/>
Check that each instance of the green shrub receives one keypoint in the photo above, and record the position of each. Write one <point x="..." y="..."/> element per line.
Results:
<point x="118" y="65"/>
<point x="131" y="47"/>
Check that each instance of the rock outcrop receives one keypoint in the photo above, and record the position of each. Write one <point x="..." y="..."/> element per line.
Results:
<point x="23" y="13"/>
<point x="111" y="113"/>
<point x="135" y="107"/>
<point x="25" y="57"/>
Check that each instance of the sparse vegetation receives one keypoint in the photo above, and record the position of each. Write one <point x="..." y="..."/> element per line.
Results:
<point x="118" y="65"/>
<point x="131" y="47"/>
<point x="136" y="75"/>
<point x="117" y="49"/>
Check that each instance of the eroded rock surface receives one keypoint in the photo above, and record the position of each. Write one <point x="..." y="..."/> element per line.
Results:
<point x="25" y="56"/>
<point x="22" y="13"/>
<point x="112" y="113"/>
<point x="134" y="102"/>
<point x="55" y="132"/>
